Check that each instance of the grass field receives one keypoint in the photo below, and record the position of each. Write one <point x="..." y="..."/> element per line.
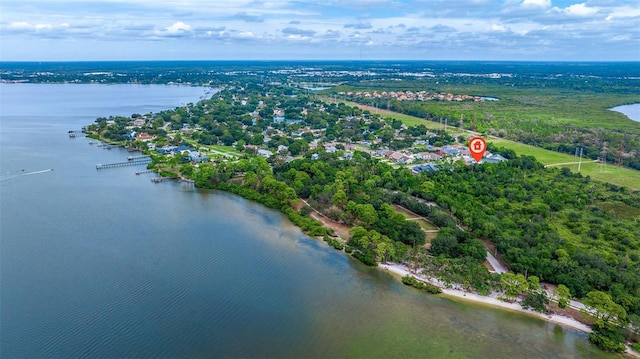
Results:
<point x="547" y="157"/>
<point x="619" y="176"/>
<point x="228" y="151"/>
<point x="424" y="224"/>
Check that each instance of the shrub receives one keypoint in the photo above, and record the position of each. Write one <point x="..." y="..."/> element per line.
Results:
<point x="536" y="300"/>
<point x="366" y="259"/>
<point x="428" y="288"/>
<point x="607" y="337"/>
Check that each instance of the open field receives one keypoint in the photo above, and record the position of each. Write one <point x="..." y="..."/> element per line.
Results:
<point x="424" y="224"/>
<point x="609" y="173"/>
<point x="546" y="157"/>
<point x="227" y="151"/>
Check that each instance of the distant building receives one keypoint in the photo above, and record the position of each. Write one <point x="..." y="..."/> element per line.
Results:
<point x="144" y="137"/>
<point x="494" y="158"/>
<point x="425" y="168"/>
<point x="450" y="151"/>
<point x="139" y="122"/>
<point x="428" y="156"/>
<point x="265" y="153"/>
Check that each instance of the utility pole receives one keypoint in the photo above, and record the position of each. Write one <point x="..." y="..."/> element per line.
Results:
<point x="619" y="154"/>
<point x="580" y="160"/>
<point x="603" y="156"/>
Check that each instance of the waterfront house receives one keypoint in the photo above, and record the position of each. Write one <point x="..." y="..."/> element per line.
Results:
<point x="145" y="137"/>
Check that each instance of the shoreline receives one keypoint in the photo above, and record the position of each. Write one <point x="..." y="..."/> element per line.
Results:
<point x="489" y="301"/>
<point x="632" y="111"/>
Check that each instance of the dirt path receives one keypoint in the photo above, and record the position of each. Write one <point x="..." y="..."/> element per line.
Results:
<point x="341" y="229"/>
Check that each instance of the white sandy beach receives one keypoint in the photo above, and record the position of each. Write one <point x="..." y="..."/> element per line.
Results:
<point x="495" y="302"/>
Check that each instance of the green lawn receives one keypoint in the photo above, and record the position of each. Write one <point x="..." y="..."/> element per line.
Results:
<point x="219" y="149"/>
<point x="547" y="157"/>
<point x="424" y="224"/>
<point x="619" y="176"/>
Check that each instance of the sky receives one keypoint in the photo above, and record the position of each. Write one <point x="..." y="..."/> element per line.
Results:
<point x="537" y="30"/>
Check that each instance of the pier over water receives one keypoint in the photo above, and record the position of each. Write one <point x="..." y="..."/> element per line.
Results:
<point x="132" y="162"/>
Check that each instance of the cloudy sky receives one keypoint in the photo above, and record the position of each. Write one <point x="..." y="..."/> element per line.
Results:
<point x="47" y="30"/>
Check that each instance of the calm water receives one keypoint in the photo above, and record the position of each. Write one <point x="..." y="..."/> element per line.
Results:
<point x="107" y="264"/>
<point x="632" y="111"/>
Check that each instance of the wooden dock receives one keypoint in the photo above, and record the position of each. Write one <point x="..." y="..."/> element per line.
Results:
<point x="140" y="161"/>
<point x="143" y="172"/>
<point x="76" y="133"/>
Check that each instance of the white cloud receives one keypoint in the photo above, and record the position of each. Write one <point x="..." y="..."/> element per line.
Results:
<point x="20" y="25"/>
<point x="537" y="3"/>
<point x="394" y="28"/>
<point x="623" y="12"/>
<point x="178" y="27"/>
<point x="245" y="35"/>
<point x="580" y="10"/>
<point x="498" y="28"/>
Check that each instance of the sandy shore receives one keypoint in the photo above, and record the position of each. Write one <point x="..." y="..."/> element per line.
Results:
<point x="487" y="300"/>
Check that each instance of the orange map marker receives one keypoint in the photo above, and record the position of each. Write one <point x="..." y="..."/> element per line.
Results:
<point x="477" y="147"/>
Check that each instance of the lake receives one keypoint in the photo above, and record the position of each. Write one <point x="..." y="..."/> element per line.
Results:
<point x="632" y="111"/>
<point x="107" y="264"/>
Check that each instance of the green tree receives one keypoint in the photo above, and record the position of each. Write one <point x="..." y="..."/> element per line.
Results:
<point x="257" y="140"/>
<point x="562" y="295"/>
<point x="513" y="284"/>
<point x="604" y="308"/>
<point x="340" y="198"/>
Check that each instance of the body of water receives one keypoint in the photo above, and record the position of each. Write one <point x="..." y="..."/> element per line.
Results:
<point x="106" y="264"/>
<point x="632" y="111"/>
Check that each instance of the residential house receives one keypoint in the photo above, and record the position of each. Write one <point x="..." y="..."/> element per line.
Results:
<point x="139" y="122"/>
<point x="428" y="156"/>
<point x="494" y="158"/>
<point x="425" y="168"/>
<point x="265" y="153"/>
<point x="145" y="137"/>
<point x="450" y="151"/>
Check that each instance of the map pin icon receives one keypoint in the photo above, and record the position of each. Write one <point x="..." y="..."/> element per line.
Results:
<point x="477" y="147"/>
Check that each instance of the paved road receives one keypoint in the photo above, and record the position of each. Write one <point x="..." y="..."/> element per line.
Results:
<point x="497" y="267"/>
